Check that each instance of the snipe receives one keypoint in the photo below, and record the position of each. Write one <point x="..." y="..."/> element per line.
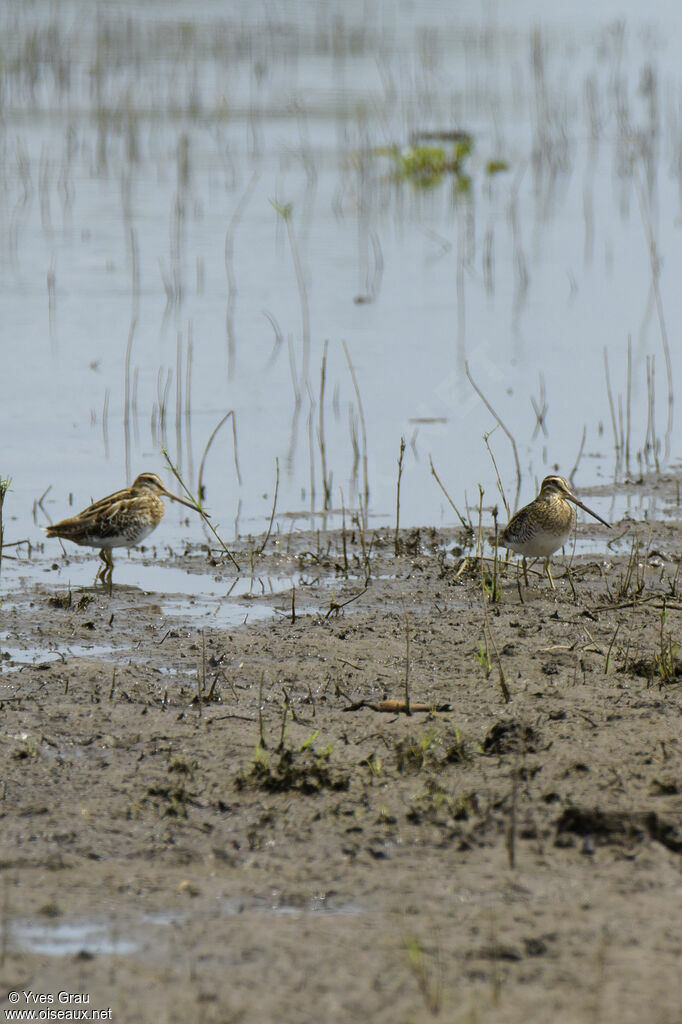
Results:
<point x="542" y="527"/>
<point x="122" y="519"/>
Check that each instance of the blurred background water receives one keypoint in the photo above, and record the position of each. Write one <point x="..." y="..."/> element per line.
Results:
<point x="209" y="207"/>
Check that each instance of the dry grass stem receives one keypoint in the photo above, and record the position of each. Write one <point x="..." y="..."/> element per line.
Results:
<point x="200" y="510"/>
<point x="396" y="538"/>
<point x="504" y="428"/>
<point x="363" y="427"/>
<point x="226" y="417"/>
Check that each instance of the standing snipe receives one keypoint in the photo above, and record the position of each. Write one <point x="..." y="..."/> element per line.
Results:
<point x="121" y="519"/>
<point x="545" y="525"/>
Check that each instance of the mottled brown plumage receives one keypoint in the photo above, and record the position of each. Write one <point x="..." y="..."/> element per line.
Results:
<point x="122" y="519"/>
<point x="543" y="526"/>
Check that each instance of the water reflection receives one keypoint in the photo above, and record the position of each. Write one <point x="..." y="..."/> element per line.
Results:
<point x="262" y="211"/>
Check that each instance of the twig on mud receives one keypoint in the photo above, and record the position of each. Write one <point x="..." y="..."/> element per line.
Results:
<point x="607" y="660"/>
<point x="396" y="707"/>
<point x="335" y="608"/>
<point x="407" y="657"/>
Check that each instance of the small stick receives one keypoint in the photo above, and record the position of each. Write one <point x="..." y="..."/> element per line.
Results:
<point x="283" y="729"/>
<point x="188" y="400"/>
<point x="628" y="402"/>
<point x="655" y="283"/>
<point x="229" y="272"/>
<point x="494" y="594"/>
<point x="608" y="653"/>
<point x="126" y="406"/>
<point x="279" y="338"/>
<point x="497" y="473"/>
<point x="396" y="541"/>
<point x="467" y="526"/>
<point x="611" y="405"/>
<point x="178" y="399"/>
<point x="507" y="432"/>
<point x="479" y="536"/>
<point x="510" y="832"/>
<point x="261" y="549"/>
<point x="285" y="211"/>
<point x="201" y="512"/>
<point x="334" y="607"/>
<point x="323" y="453"/>
<point x="343" y="533"/>
<point x="407" y="658"/>
<point x="209" y="695"/>
<point x="4" y="487"/>
<point x="200" y="484"/>
<point x="363" y="426"/>
<point x="203" y="663"/>
<point x="261" y="727"/>
<point x="580" y="455"/>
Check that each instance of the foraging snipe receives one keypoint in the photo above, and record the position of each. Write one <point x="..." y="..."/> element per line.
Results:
<point x="121" y="519"/>
<point x="543" y="526"/>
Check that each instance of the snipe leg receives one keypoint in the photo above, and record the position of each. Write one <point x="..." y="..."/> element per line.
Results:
<point x="524" y="566"/>
<point x="105" y="571"/>
<point x="549" y="574"/>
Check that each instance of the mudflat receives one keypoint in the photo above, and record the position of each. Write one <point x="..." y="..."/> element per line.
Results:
<point x="206" y="822"/>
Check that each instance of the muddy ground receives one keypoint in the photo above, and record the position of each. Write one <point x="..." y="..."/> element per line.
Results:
<point x="512" y="857"/>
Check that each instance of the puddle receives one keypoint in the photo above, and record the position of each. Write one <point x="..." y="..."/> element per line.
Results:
<point x="281" y="907"/>
<point x="109" y="937"/>
<point x="66" y="938"/>
<point x="150" y="577"/>
<point x="219" y="597"/>
<point x="13" y="658"/>
<point x="230" y="612"/>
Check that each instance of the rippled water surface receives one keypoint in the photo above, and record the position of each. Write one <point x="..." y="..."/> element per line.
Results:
<point x="212" y="207"/>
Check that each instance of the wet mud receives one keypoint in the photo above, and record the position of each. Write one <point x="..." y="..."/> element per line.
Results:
<point x="225" y="812"/>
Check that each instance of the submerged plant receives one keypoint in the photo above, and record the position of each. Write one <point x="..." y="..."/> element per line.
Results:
<point x="424" y="166"/>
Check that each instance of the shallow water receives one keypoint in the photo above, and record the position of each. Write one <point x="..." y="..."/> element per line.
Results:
<point x="215" y="598"/>
<point x="123" y="938"/>
<point x="139" y="169"/>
